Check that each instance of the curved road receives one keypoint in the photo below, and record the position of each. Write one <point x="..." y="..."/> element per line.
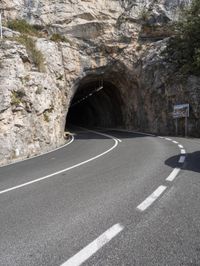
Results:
<point x="114" y="198"/>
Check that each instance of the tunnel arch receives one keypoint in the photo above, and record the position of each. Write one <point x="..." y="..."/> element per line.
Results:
<point x="97" y="102"/>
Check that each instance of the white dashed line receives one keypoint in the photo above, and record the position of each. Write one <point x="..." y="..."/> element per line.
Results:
<point x="183" y="151"/>
<point x="173" y="174"/>
<point x="182" y="159"/>
<point x="176" y="171"/>
<point x="94" y="246"/>
<point x="148" y="201"/>
<point x="153" y="197"/>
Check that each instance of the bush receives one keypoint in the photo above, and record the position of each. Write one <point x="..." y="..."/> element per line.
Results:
<point x="23" y="27"/>
<point x="125" y="39"/>
<point x="56" y="37"/>
<point x="33" y="52"/>
<point x="27" y="31"/>
<point x="46" y="117"/>
<point x="17" y="97"/>
<point x="144" y="14"/>
<point x="184" y="48"/>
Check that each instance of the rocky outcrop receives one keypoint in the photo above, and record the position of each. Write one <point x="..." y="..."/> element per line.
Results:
<point x="118" y="41"/>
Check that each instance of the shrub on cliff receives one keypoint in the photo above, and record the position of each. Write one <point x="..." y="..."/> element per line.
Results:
<point x="27" y="38"/>
<point x="36" y="56"/>
<point x="56" y="37"/>
<point x="184" y="48"/>
<point x="24" y="27"/>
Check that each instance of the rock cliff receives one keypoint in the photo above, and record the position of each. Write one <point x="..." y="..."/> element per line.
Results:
<point x="114" y="43"/>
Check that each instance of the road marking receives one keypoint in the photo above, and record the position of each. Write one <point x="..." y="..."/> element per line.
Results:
<point x="94" y="246"/>
<point x="168" y="139"/>
<point x="173" y="174"/>
<point x="182" y="159"/>
<point x="132" y="132"/>
<point x="175" y="142"/>
<point x="68" y="143"/>
<point x="103" y="134"/>
<point x="183" y="151"/>
<point x="154" y="196"/>
<point x="180" y="146"/>
<point x="68" y="168"/>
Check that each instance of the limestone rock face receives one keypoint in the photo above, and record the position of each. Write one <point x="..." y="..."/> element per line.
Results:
<point x="118" y="40"/>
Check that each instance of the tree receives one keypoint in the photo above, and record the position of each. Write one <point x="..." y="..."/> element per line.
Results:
<point x="183" y="49"/>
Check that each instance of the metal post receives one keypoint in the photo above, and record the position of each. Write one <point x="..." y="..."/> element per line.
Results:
<point x="186" y="126"/>
<point x="1" y="31"/>
<point x="176" y="125"/>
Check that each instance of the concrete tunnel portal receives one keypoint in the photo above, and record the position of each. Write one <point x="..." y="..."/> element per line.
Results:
<point x="96" y="103"/>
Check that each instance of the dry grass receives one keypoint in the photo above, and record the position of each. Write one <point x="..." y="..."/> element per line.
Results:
<point x="36" y="56"/>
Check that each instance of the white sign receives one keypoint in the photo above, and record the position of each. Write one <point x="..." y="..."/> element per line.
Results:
<point x="181" y="110"/>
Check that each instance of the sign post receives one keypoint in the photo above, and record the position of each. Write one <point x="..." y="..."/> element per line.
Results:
<point x="1" y="31"/>
<point x="176" y="125"/>
<point x="186" y="126"/>
<point x="181" y="110"/>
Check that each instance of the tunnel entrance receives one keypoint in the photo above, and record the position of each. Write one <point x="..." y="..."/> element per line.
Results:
<point x="96" y="103"/>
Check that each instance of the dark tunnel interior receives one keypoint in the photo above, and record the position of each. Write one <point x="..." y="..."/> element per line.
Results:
<point x="95" y="104"/>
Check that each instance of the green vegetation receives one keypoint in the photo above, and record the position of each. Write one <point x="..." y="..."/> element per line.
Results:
<point x="60" y="77"/>
<point x="46" y="117"/>
<point x="39" y="90"/>
<point x="23" y="27"/>
<point x="26" y="38"/>
<point x="56" y="37"/>
<point x="46" y="113"/>
<point x="33" y="52"/>
<point x="138" y="48"/>
<point x="17" y="97"/>
<point x="184" y="48"/>
<point x="125" y="39"/>
<point x="145" y="14"/>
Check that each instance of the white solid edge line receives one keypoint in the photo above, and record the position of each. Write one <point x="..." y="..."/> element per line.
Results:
<point x="180" y="146"/>
<point x="103" y="134"/>
<point x="94" y="246"/>
<point x="66" y="169"/>
<point x="173" y="174"/>
<point x="182" y="159"/>
<point x="141" y="133"/>
<point x="39" y="155"/>
<point x="183" y="151"/>
<point x="149" y="200"/>
<point x="132" y="132"/>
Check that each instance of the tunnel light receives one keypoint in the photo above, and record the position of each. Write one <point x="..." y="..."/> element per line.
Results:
<point x="100" y="88"/>
<point x="87" y="96"/>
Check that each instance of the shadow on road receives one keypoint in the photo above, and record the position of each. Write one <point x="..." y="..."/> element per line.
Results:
<point x="192" y="162"/>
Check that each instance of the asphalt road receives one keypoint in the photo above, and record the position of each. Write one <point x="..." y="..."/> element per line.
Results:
<point x="91" y="203"/>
